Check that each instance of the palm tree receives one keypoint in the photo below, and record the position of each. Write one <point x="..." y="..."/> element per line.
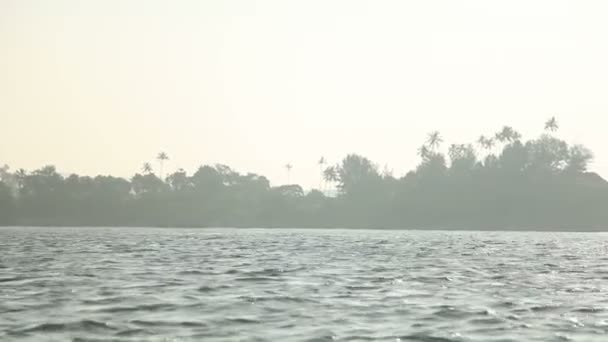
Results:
<point x="21" y="174"/>
<point x="434" y="140"/>
<point x="507" y="134"/>
<point x="162" y="157"/>
<point x="515" y="135"/>
<point x="147" y="168"/>
<point x="288" y="167"/>
<point x="330" y="174"/>
<point x="482" y="141"/>
<point x="489" y="145"/>
<point x="486" y="143"/>
<point x="423" y="151"/>
<point x="503" y="135"/>
<point x="321" y="163"/>
<point x="551" y="125"/>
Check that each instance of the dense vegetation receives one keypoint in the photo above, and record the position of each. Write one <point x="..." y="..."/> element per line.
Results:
<point x="506" y="183"/>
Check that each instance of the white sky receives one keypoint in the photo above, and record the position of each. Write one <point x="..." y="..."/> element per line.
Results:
<point x="102" y="86"/>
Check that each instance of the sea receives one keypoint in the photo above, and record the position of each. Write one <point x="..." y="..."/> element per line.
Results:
<point x="221" y="284"/>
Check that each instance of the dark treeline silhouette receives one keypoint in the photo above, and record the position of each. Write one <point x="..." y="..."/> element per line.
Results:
<point x="502" y="182"/>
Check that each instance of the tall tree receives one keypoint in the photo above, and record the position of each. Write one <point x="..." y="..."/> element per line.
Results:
<point x="579" y="158"/>
<point x="7" y="205"/>
<point x="330" y="174"/>
<point x="321" y="163"/>
<point x="539" y="182"/>
<point x="162" y="158"/>
<point x="179" y="180"/>
<point x="424" y="152"/>
<point x="551" y="125"/>
<point x="481" y="141"/>
<point x="147" y="168"/>
<point x="20" y="175"/>
<point x="356" y="173"/>
<point x="486" y="143"/>
<point x="507" y="135"/>
<point x="489" y="144"/>
<point x="434" y="140"/>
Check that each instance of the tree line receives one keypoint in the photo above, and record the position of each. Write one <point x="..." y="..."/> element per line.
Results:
<point x="498" y="182"/>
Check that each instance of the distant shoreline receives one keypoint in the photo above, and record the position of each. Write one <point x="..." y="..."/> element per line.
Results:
<point x="505" y="182"/>
<point x="537" y="230"/>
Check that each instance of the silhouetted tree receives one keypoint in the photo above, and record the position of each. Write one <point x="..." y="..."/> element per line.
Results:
<point x="579" y="158"/>
<point x="542" y="182"/>
<point x="548" y="154"/>
<point x="507" y="134"/>
<point x="434" y="140"/>
<point x="162" y="158"/>
<point x="7" y="206"/>
<point x="551" y="124"/>
<point x="424" y="152"/>
<point x="20" y="175"/>
<point x="486" y="143"/>
<point x="321" y="163"/>
<point x="147" y="185"/>
<point x="179" y="180"/>
<point x="462" y="158"/>
<point x="147" y="168"/>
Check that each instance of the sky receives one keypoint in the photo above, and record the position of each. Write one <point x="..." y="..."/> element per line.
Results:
<point x="100" y="87"/>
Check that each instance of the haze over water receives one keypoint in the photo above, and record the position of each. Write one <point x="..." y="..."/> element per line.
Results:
<point x="81" y="284"/>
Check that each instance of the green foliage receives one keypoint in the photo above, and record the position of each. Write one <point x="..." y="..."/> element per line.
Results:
<point x="540" y="183"/>
<point x="7" y="205"/>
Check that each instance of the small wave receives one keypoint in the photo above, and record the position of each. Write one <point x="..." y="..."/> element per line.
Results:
<point x="426" y="338"/>
<point x="321" y="335"/>
<point x="590" y="310"/>
<point x="286" y="299"/>
<point x="269" y="272"/>
<point x="7" y="280"/>
<point x="168" y="323"/>
<point x="242" y="320"/>
<point x="362" y="287"/>
<point x="104" y="301"/>
<point x="256" y="279"/>
<point x="84" y="325"/>
<point x="544" y="308"/>
<point x="145" y="307"/>
<point x="432" y="280"/>
<point x="206" y="289"/>
<point x="130" y="332"/>
<point x="193" y="272"/>
<point x="359" y="338"/>
<point x="451" y="312"/>
<point x="487" y="321"/>
<point x="562" y="337"/>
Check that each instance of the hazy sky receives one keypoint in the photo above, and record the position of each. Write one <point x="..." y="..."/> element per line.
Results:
<point x="102" y="86"/>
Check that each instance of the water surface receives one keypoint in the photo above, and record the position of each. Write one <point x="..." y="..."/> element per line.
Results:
<point x="101" y="284"/>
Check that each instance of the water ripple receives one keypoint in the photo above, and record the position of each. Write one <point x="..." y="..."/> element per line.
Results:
<point x="301" y="285"/>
